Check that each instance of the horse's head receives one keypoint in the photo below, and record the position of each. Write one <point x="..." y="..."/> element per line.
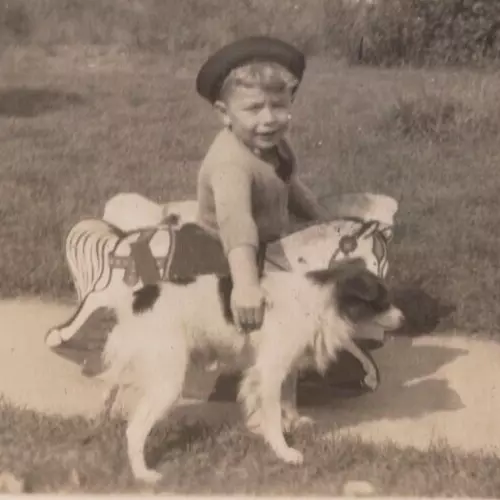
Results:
<point x="322" y="245"/>
<point x="369" y="241"/>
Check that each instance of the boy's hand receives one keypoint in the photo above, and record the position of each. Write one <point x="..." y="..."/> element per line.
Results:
<point x="247" y="304"/>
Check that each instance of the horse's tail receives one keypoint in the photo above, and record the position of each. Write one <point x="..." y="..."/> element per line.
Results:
<point x="89" y="245"/>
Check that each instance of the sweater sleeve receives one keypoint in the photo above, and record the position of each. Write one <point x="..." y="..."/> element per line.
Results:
<point x="232" y="191"/>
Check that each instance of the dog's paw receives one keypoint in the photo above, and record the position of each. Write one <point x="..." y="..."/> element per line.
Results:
<point x="302" y="421"/>
<point x="291" y="456"/>
<point x="291" y="419"/>
<point x="149" y="476"/>
<point x="291" y="423"/>
<point x="256" y="428"/>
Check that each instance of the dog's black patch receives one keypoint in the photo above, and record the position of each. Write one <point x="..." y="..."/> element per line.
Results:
<point x="224" y="288"/>
<point x="337" y="272"/>
<point x="362" y="296"/>
<point x="358" y="310"/>
<point x="145" y="298"/>
<point x="358" y="293"/>
<point x="362" y="285"/>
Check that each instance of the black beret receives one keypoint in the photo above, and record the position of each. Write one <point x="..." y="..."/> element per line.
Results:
<point x="243" y="51"/>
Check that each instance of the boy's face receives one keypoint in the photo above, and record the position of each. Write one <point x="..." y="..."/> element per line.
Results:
<point x="258" y="117"/>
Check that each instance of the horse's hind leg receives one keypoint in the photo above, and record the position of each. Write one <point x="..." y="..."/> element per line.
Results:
<point x="59" y="334"/>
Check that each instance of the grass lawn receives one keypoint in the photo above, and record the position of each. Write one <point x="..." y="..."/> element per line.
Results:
<point x="78" y="127"/>
<point x="45" y="453"/>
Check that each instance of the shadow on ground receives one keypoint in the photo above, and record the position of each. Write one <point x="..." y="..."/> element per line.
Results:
<point x="89" y="341"/>
<point x="21" y="102"/>
<point x="402" y="364"/>
<point x="424" y="313"/>
<point x="410" y="387"/>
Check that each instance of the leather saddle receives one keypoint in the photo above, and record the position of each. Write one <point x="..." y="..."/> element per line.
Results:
<point x="186" y="251"/>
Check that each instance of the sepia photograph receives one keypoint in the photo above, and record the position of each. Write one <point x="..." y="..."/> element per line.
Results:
<point x="250" y="248"/>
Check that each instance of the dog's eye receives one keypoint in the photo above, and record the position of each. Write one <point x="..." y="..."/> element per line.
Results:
<point x="301" y="260"/>
<point x="171" y="219"/>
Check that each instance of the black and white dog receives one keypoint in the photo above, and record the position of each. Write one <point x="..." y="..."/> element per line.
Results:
<point x="309" y="318"/>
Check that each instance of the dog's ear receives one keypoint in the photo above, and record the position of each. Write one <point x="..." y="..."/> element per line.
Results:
<point x="363" y="285"/>
<point x="337" y="272"/>
<point x="348" y="264"/>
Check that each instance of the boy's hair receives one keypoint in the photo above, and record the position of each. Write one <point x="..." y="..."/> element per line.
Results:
<point x="264" y="75"/>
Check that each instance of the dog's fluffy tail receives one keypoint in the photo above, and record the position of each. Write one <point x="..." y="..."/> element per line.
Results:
<point x="145" y="345"/>
<point x="121" y="345"/>
<point x="118" y="352"/>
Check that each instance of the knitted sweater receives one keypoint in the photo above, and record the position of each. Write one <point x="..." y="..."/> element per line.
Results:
<point x="244" y="200"/>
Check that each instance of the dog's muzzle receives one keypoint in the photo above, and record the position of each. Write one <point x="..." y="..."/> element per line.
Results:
<point x="393" y="319"/>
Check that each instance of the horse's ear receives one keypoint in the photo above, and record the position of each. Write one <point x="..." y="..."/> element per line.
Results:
<point x="387" y="232"/>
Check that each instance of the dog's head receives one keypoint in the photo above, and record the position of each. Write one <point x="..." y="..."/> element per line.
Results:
<point x="359" y="295"/>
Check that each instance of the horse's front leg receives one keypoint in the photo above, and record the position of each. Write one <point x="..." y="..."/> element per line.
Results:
<point x="371" y="378"/>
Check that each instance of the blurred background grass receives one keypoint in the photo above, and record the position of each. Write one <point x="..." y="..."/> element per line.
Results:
<point x="383" y="32"/>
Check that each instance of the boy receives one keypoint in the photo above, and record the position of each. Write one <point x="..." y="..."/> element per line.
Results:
<point x="247" y="182"/>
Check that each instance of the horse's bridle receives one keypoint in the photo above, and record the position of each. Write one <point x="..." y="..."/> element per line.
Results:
<point x="349" y="243"/>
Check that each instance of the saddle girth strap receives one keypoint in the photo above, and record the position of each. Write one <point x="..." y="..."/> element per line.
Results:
<point x="143" y="260"/>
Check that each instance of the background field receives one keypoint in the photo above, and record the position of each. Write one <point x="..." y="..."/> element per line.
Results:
<point x="82" y="124"/>
<point x="97" y="97"/>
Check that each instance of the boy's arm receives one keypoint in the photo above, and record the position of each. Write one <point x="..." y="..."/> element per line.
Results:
<point x="238" y="232"/>
<point x="232" y="190"/>
<point x="303" y="204"/>
<point x="243" y="266"/>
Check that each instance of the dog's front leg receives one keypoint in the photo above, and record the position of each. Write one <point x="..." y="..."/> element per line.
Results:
<point x="290" y="416"/>
<point x="263" y="388"/>
<point x="271" y="422"/>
